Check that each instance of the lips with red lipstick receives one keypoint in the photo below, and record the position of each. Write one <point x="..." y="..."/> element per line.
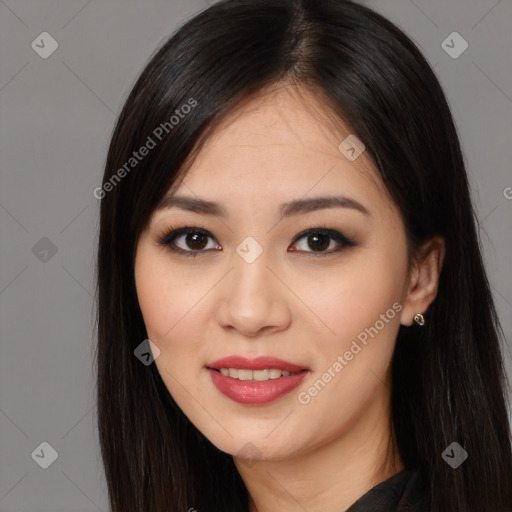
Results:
<point x="255" y="381"/>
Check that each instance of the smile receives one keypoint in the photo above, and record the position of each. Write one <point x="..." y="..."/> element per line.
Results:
<point x="255" y="381"/>
<point x="255" y="375"/>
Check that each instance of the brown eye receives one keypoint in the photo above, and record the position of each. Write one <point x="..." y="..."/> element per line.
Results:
<point x="189" y="241"/>
<point x="196" y="241"/>
<point x="318" y="240"/>
<point x="193" y="241"/>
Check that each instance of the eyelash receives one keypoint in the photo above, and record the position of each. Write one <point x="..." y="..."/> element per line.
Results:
<point x="167" y="238"/>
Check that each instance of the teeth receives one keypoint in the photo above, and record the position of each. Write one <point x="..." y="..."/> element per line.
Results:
<point x="255" y="375"/>
<point x="244" y="374"/>
<point x="261" y="374"/>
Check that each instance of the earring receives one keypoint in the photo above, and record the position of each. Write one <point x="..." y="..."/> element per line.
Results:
<point x="419" y="319"/>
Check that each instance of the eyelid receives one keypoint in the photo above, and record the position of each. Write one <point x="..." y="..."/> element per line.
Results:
<point x="173" y="233"/>
<point x="333" y="233"/>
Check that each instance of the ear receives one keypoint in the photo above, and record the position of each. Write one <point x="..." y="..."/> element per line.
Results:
<point x="423" y="279"/>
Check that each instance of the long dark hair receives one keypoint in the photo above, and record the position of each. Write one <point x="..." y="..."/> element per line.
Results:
<point x="449" y="383"/>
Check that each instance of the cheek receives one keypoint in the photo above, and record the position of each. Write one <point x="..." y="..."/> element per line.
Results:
<point x="355" y="298"/>
<point x="362" y="307"/>
<point x="169" y="320"/>
<point x="157" y="306"/>
<point x="167" y="314"/>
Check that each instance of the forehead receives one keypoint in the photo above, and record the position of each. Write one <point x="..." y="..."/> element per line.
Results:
<point x="282" y="144"/>
<point x="284" y="120"/>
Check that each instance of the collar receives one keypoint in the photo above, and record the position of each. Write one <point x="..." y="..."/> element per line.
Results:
<point x="402" y="492"/>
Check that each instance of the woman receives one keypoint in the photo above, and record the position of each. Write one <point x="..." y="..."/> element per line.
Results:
<point x="293" y="311"/>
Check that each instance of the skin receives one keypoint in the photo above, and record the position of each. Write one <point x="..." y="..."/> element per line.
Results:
<point x="304" y="306"/>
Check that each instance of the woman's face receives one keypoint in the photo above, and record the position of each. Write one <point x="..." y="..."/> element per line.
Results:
<point x="254" y="288"/>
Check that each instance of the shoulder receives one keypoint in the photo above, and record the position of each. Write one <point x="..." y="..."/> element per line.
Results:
<point x="416" y="497"/>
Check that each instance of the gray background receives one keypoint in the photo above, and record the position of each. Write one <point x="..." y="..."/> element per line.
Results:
<point x="57" y="115"/>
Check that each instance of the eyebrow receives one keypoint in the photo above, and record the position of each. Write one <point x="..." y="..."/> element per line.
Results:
<point x="287" y="209"/>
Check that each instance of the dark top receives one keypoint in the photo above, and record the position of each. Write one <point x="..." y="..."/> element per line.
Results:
<point x="402" y="492"/>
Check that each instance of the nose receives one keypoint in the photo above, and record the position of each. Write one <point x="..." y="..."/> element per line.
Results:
<point x="252" y="300"/>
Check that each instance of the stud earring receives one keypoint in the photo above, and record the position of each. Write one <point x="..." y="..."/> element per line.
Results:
<point x="419" y="319"/>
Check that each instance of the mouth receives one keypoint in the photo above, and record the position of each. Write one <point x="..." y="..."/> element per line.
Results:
<point x="255" y="375"/>
<point x="260" y="368"/>
<point x="255" y="381"/>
